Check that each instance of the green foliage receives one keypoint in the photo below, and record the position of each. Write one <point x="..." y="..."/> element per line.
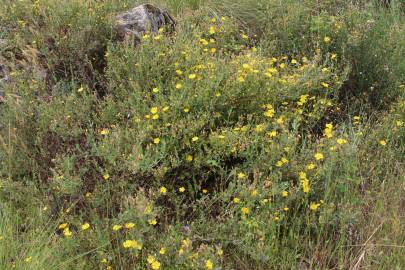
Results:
<point x="260" y="135"/>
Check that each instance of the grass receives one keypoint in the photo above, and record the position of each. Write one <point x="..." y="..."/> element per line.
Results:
<point x="261" y="135"/>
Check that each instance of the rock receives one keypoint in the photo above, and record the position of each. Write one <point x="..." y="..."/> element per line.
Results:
<point x="144" y="18"/>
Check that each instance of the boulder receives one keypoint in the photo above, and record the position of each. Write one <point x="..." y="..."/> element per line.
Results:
<point x="141" y="19"/>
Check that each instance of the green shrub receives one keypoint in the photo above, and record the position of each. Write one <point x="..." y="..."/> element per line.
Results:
<point x="210" y="148"/>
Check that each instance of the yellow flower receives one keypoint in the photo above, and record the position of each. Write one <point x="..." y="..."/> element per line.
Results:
<point x="80" y="89"/>
<point x="152" y="221"/>
<point x="179" y="72"/>
<point x="269" y="110"/>
<point x="383" y="142"/>
<point x="305" y="185"/>
<point x="155" y="116"/>
<point x="253" y="193"/>
<point x="211" y="31"/>
<point x="154" y="110"/>
<point x="148" y="209"/>
<point x="189" y="158"/>
<point x="220" y="252"/>
<point x="179" y="86"/>
<point x="236" y="200"/>
<point x="259" y="128"/>
<point x="399" y="123"/>
<point x="62" y="226"/>
<point x="314" y="206"/>
<point x="104" y="131"/>
<point x="245" y="210"/>
<point x="279" y="163"/>
<point x="28" y="259"/>
<point x="116" y="227"/>
<point x="163" y="190"/>
<point x="302" y="175"/>
<point x="341" y="141"/>
<point x="85" y="226"/>
<point x="192" y="76"/>
<point x="205" y="191"/>
<point x="186" y="110"/>
<point x="209" y="265"/>
<point x="162" y="251"/>
<point x="67" y="232"/>
<point x="186" y="243"/>
<point x="241" y="79"/>
<point x="333" y="56"/>
<point x="156" y="140"/>
<point x="284" y="193"/>
<point x="150" y="259"/>
<point x="286" y="208"/>
<point x="269" y="113"/>
<point x="155" y="265"/>
<point x="182" y="189"/>
<point x="318" y="156"/>
<point x="204" y="42"/>
<point x="194" y="139"/>
<point x="244" y="36"/>
<point x="132" y="244"/>
<point x="272" y="134"/>
<point x="241" y="175"/>
<point x="155" y="90"/>
<point x="284" y="160"/>
<point x="106" y="176"/>
<point x="328" y="132"/>
<point x="325" y="85"/>
<point x="264" y="201"/>
<point x="327" y="39"/>
<point x="310" y="166"/>
<point x="129" y="225"/>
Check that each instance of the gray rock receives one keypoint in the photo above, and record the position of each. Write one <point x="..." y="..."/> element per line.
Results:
<point x="144" y="18"/>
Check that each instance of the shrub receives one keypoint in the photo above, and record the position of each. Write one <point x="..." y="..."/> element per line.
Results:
<point x="211" y="148"/>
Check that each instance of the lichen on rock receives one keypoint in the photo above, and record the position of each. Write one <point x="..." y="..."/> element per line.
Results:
<point x="141" y="19"/>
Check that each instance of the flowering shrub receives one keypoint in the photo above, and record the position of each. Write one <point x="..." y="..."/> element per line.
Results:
<point x="204" y="149"/>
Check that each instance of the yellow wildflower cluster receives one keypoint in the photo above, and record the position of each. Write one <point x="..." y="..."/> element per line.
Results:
<point x="132" y="244"/>
<point x="328" y="131"/>
<point x="304" y="182"/>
